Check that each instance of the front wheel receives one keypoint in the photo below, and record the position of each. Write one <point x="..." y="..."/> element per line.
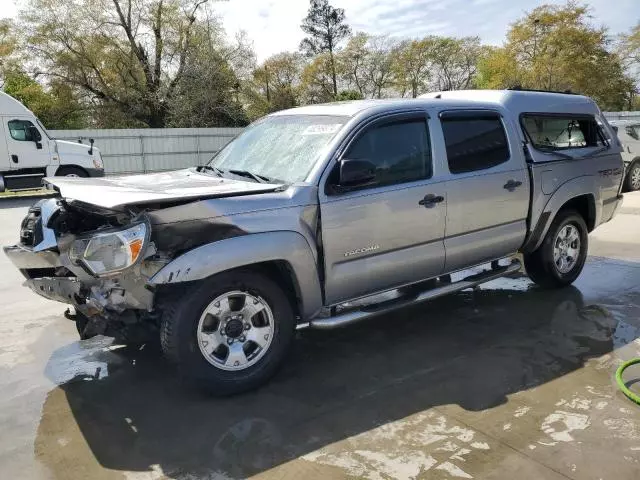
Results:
<point x="560" y="258"/>
<point x="71" y="171"/>
<point x="229" y="333"/>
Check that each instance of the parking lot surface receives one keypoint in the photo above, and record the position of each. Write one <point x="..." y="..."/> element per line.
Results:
<point x="506" y="382"/>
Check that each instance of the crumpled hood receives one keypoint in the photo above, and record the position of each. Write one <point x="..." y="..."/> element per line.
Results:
<point x="114" y="192"/>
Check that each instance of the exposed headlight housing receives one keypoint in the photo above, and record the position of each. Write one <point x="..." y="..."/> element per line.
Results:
<point x="110" y="252"/>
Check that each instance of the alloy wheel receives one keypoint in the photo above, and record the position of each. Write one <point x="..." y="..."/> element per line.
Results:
<point x="235" y="330"/>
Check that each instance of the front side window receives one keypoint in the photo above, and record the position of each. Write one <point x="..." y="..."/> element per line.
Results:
<point x="556" y="132"/>
<point x="400" y="151"/>
<point x="20" y="130"/>
<point x="474" y="143"/>
<point x="281" y="147"/>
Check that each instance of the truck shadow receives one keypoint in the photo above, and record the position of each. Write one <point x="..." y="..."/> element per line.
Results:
<point x="472" y="349"/>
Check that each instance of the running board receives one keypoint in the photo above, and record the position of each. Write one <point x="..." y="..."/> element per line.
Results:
<point x="369" y="311"/>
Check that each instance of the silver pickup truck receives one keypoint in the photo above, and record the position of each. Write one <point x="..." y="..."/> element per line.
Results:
<point x="322" y="216"/>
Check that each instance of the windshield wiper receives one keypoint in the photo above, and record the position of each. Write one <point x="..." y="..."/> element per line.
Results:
<point x="215" y="170"/>
<point x="254" y="176"/>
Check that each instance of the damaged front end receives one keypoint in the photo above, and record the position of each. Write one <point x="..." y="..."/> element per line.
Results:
<point x="96" y="260"/>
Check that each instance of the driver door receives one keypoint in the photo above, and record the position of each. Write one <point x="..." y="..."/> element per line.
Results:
<point x="25" y="148"/>
<point x="387" y="233"/>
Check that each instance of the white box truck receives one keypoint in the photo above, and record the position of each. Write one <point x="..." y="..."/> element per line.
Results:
<point x="28" y="153"/>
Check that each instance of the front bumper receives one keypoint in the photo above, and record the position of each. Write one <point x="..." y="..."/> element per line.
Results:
<point x="25" y="259"/>
<point x="64" y="290"/>
<point x="92" y="296"/>
<point x="95" y="172"/>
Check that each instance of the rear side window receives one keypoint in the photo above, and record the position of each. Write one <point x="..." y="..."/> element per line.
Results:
<point x="19" y="130"/>
<point x="474" y="142"/>
<point x="399" y="150"/>
<point x="559" y="132"/>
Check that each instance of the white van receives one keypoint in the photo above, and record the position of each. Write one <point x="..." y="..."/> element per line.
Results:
<point x="629" y="135"/>
<point x="28" y="153"/>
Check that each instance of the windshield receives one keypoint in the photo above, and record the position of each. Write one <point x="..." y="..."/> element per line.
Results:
<point x="282" y="147"/>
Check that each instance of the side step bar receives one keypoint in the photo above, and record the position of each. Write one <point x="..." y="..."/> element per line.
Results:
<point x="370" y="311"/>
<point x="20" y="182"/>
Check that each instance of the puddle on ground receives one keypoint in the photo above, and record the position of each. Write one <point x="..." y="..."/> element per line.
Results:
<point x="367" y="398"/>
<point x="89" y="359"/>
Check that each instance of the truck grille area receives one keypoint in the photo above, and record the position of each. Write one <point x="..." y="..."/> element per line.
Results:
<point x="31" y="228"/>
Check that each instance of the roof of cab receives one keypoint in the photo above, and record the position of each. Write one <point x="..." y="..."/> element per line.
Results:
<point x="11" y="106"/>
<point x="513" y="100"/>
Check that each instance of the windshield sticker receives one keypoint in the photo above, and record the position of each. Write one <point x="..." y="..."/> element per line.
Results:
<point x="322" y="129"/>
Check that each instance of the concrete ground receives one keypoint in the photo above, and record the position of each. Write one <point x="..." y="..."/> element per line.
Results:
<point x="506" y="382"/>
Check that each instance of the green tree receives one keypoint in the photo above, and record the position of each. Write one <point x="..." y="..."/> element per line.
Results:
<point x="351" y="63"/>
<point x="379" y="68"/>
<point x="278" y="80"/>
<point x="130" y="56"/>
<point x="316" y="82"/>
<point x="629" y="52"/>
<point x="455" y="62"/>
<point x="208" y="94"/>
<point x="57" y="107"/>
<point x="412" y="66"/>
<point x="556" y="48"/>
<point x="8" y="43"/>
<point x="346" y="95"/>
<point x="325" y="28"/>
<point x="366" y="64"/>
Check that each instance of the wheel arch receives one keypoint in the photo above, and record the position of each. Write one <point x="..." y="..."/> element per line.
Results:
<point x="583" y="203"/>
<point x="284" y="256"/>
<point x="70" y="167"/>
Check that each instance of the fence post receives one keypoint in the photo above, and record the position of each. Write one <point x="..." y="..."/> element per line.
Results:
<point x="144" y="162"/>
<point x="198" y="147"/>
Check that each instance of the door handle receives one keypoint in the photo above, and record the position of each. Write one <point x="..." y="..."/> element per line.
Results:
<point x="14" y="158"/>
<point x="430" y="200"/>
<point x="511" y="185"/>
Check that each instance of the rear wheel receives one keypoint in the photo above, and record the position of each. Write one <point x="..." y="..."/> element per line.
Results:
<point x="71" y="172"/>
<point x="230" y="333"/>
<point x="561" y="256"/>
<point x="632" y="180"/>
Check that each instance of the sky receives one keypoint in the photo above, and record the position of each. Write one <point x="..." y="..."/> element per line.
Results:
<point x="274" y="25"/>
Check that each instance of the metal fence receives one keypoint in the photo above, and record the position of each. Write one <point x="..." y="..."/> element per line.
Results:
<point x="635" y="116"/>
<point x="152" y="150"/>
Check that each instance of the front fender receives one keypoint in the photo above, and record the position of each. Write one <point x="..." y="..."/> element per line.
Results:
<point x="217" y="257"/>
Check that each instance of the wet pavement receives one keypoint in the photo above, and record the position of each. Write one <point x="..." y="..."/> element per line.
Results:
<point x="507" y="381"/>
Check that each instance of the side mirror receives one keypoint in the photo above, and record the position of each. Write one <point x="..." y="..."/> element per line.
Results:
<point x="34" y="133"/>
<point x="356" y="173"/>
<point x="34" y="136"/>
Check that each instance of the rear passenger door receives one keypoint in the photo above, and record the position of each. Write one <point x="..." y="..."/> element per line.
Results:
<point x="390" y="232"/>
<point x="488" y="190"/>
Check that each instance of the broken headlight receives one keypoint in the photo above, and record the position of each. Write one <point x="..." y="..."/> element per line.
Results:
<point x="110" y="252"/>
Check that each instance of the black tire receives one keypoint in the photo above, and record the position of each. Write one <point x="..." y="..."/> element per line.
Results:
<point x="81" y="325"/>
<point x="71" y="172"/>
<point x="634" y="171"/>
<point x="178" y="332"/>
<point x="540" y="265"/>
